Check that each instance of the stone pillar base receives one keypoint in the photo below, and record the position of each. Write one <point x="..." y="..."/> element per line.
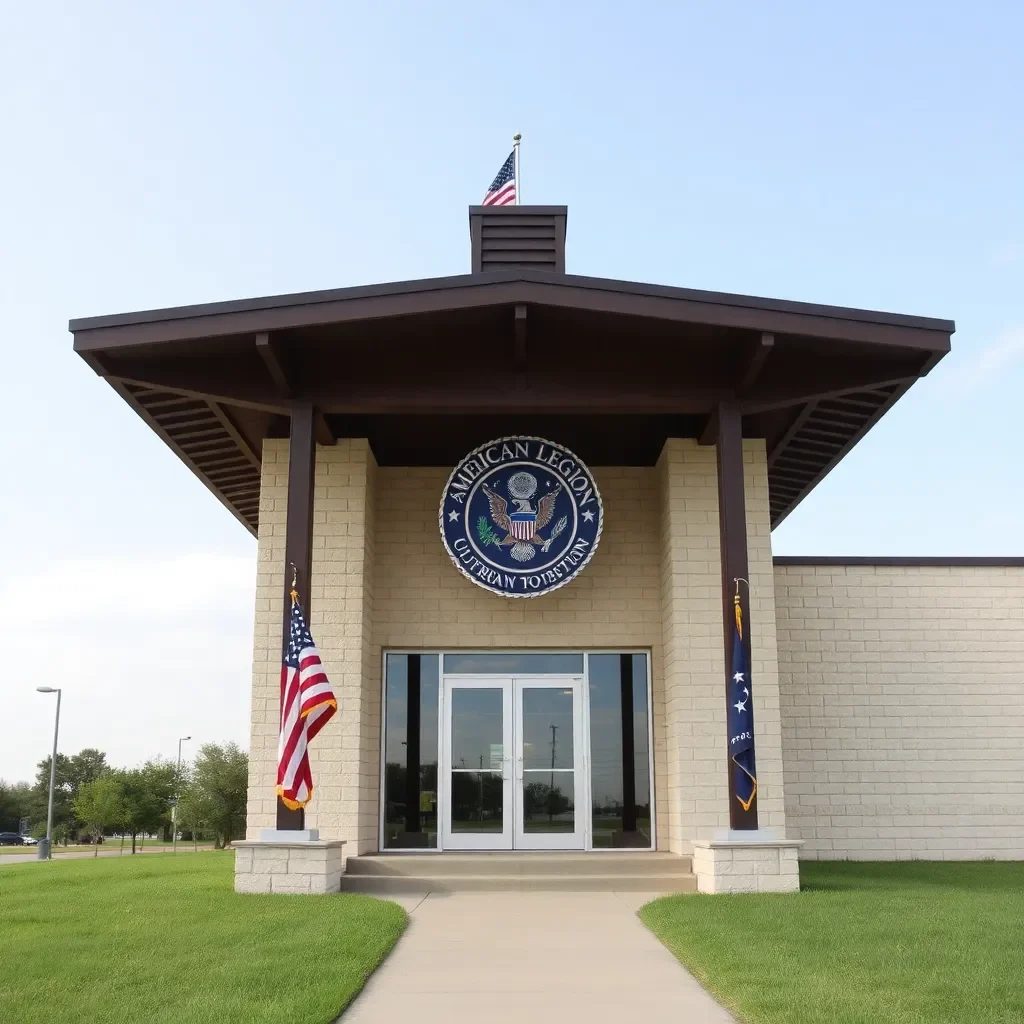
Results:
<point x="754" y="864"/>
<point x="288" y="865"/>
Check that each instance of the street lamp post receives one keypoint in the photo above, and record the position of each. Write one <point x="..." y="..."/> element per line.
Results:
<point x="43" y="850"/>
<point x="174" y="806"/>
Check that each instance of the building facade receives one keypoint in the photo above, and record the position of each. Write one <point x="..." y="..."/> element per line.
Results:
<point x="593" y="715"/>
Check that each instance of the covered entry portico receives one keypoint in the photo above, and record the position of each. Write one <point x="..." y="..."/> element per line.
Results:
<point x="329" y="422"/>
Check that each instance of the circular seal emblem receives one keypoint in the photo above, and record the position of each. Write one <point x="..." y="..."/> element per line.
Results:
<point x="521" y="516"/>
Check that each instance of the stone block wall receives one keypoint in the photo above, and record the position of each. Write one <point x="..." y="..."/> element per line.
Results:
<point x="903" y="709"/>
<point x="382" y="580"/>
<point x="422" y="601"/>
<point x="299" y="868"/>
<point x="345" y="757"/>
<point x="694" y="653"/>
<point x="742" y="866"/>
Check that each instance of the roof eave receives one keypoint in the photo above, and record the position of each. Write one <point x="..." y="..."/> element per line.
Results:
<point x="467" y="290"/>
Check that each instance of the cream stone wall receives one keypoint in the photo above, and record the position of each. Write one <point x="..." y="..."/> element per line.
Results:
<point x="903" y="710"/>
<point x="381" y="579"/>
<point x="345" y="757"/>
<point x="423" y="601"/>
<point x="693" y="668"/>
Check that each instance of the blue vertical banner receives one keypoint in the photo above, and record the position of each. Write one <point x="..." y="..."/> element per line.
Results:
<point x="741" y="716"/>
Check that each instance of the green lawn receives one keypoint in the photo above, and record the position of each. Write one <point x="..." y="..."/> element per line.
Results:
<point x="908" y="943"/>
<point x="165" y="938"/>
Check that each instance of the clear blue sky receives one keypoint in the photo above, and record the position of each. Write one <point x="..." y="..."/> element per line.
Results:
<point x="153" y="156"/>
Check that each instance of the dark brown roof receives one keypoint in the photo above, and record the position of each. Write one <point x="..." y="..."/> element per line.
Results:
<point x="428" y="369"/>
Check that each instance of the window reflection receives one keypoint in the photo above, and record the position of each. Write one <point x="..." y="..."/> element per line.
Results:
<point x="511" y="664"/>
<point x="410" y="751"/>
<point x="547" y="728"/>
<point x="548" y="802"/>
<point x="477" y="802"/>
<point x="619" y="751"/>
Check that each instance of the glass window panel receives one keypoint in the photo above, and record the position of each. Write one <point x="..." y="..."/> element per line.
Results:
<point x="549" y="802"/>
<point x="547" y="728"/>
<point x="477" y="727"/>
<point x="513" y="664"/>
<point x="477" y="802"/>
<point x="620" y="786"/>
<point x="410" y="751"/>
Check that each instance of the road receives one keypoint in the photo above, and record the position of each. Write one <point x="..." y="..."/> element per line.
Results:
<point x="25" y="858"/>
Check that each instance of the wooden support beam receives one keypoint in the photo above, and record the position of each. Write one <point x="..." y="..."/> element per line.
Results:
<point x="225" y="420"/>
<point x="283" y="380"/>
<point x="324" y="434"/>
<point x="298" y="544"/>
<point x="790" y="432"/>
<point x="732" y="524"/>
<point x="756" y="357"/>
<point x="270" y="354"/>
<point x="520" y="347"/>
<point x="708" y="433"/>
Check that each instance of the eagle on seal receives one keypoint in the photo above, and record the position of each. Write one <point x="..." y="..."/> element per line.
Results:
<point x="522" y="543"/>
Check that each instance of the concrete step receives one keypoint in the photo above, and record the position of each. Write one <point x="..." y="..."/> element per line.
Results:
<point x="395" y="885"/>
<point x="520" y="864"/>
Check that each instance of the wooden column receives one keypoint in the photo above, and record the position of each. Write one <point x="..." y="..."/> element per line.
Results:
<point x="298" y="541"/>
<point x="732" y="523"/>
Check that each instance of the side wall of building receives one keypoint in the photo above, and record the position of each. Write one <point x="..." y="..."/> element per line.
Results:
<point x="903" y="710"/>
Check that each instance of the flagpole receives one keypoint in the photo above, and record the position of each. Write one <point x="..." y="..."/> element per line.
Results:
<point x="515" y="150"/>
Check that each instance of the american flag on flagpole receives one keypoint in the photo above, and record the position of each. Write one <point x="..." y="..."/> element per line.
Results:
<point x="503" y="188"/>
<point x="307" y="704"/>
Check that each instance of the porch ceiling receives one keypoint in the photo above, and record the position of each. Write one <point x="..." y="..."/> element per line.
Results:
<point x="429" y="369"/>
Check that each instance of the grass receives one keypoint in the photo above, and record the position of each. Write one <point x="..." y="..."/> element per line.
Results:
<point x="165" y="938"/>
<point x="908" y="943"/>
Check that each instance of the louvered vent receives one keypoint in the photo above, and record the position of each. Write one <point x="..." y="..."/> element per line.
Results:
<point x="517" y="237"/>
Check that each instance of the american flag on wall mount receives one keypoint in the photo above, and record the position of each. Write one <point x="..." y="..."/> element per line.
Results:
<point x="307" y="704"/>
<point x="741" y="718"/>
<point x="503" y="188"/>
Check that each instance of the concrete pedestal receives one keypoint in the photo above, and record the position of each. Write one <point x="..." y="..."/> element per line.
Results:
<point x="288" y="862"/>
<point x="753" y="863"/>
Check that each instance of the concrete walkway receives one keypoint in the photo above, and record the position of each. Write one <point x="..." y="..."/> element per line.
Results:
<point x="30" y="858"/>
<point x="532" y="958"/>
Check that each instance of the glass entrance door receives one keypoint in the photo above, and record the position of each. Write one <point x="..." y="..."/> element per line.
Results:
<point x="550" y="798"/>
<point x="476" y="755"/>
<point x="512" y="764"/>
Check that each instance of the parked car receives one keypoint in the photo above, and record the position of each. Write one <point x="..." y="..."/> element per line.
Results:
<point x="10" y="839"/>
<point x="29" y="841"/>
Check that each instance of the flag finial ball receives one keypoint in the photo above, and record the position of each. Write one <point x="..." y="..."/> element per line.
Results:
<point x="516" y="137"/>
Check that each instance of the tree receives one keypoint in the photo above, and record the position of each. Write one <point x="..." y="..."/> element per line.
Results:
<point x="195" y="810"/>
<point x="15" y="804"/>
<point x="71" y="773"/>
<point x="220" y="783"/>
<point x="86" y="766"/>
<point x="63" y="815"/>
<point x="100" y="804"/>
<point x="147" y="795"/>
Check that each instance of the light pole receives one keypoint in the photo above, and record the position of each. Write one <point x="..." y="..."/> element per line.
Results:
<point x="43" y="850"/>
<point x="174" y="806"/>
